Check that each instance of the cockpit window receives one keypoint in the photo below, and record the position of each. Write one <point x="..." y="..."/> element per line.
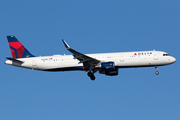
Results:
<point x="166" y="55"/>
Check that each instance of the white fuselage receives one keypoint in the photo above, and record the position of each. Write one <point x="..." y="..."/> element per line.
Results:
<point x="121" y="60"/>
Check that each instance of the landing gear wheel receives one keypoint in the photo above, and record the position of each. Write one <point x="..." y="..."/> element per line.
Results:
<point x="91" y="75"/>
<point x="157" y="73"/>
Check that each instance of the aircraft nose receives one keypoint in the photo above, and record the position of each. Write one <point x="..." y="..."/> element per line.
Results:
<point x="173" y="59"/>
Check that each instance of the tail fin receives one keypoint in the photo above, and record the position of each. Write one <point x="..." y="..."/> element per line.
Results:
<point x="17" y="49"/>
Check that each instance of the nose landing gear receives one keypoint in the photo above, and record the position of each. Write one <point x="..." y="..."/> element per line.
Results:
<point x="157" y="73"/>
<point x="91" y="75"/>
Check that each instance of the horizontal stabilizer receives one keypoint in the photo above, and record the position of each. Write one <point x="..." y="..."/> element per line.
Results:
<point x="14" y="60"/>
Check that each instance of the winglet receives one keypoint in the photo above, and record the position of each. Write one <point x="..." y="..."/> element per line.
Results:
<point x="66" y="45"/>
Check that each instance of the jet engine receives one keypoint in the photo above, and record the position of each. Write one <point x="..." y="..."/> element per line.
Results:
<point x="108" y="68"/>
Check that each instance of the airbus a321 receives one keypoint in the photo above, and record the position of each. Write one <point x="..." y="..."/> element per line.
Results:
<point x="104" y="63"/>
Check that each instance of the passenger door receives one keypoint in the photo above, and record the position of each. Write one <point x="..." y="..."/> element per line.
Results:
<point x="34" y="63"/>
<point x="155" y="55"/>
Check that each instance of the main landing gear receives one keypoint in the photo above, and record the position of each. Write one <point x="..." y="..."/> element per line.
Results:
<point x="91" y="75"/>
<point x="157" y="73"/>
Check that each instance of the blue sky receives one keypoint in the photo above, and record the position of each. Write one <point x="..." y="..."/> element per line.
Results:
<point x="90" y="27"/>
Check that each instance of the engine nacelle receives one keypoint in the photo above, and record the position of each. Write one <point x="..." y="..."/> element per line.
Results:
<point x="107" y="66"/>
<point x="109" y="72"/>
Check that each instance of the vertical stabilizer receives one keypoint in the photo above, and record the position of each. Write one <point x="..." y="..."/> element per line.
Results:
<point x="17" y="49"/>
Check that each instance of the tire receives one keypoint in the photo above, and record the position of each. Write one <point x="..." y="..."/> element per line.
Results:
<point x="89" y="74"/>
<point x="93" y="77"/>
<point x="157" y="73"/>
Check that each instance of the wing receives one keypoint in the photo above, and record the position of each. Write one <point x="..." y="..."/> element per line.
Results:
<point x="86" y="60"/>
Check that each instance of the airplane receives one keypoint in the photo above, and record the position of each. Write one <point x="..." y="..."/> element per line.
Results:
<point x="104" y="63"/>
